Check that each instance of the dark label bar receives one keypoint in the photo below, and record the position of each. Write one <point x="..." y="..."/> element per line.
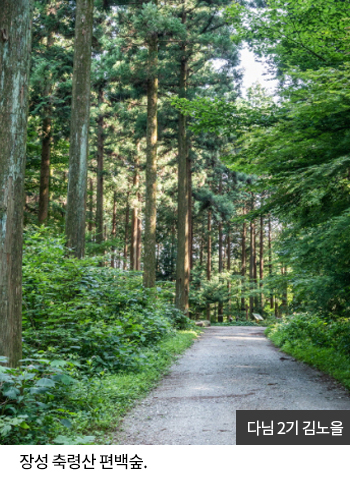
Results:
<point x="292" y="427"/>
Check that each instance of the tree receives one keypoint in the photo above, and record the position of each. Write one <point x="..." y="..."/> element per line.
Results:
<point x="149" y="272"/>
<point x="15" y="44"/>
<point x="78" y="151"/>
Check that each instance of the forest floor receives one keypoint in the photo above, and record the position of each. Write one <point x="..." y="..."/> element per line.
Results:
<point x="227" y="369"/>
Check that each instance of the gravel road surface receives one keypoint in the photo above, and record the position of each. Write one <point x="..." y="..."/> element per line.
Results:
<point x="227" y="369"/>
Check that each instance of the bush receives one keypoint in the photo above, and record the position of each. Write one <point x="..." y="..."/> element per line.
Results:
<point x="81" y="322"/>
<point x="32" y="399"/>
<point x="301" y="329"/>
<point x="97" y="317"/>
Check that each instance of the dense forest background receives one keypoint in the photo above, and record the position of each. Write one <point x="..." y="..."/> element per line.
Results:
<point x="151" y="193"/>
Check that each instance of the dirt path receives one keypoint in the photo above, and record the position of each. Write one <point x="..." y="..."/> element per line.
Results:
<point x="227" y="369"/>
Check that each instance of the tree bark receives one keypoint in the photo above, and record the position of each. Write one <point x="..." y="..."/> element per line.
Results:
<point x="252" y="265"/>
<point x="15" y="45"/>
<point x="182" y="262"/>
<point x="270" y="260"/>
<point x="45" y="170"/>
<point x="138" y="262"/>
<point x="220" y="305"/>
<point x="228" y="253"/>
<point x="190" y="222"/>
<point x="209" y="258"/>
<point x="126" y="235"/>
<point x="114" y="228"/>
<point x="78" y="150"/>
<point x="261" y="256"/>
<point x="134" y="224"/>
<point x="99" y="180"/>
<point x="91" y="189"/>
<point x="149" y="274"/>
<point x="244" y="262"/>
<point x="45" y="151"/>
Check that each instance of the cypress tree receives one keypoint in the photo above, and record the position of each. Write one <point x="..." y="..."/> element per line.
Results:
<point x="78" y="151"/>
<point x="15" y="44"/>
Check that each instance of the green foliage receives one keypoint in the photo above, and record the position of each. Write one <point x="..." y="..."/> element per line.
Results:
<point x="322" y="343"/>
<point x="306" y="329"/>
<point x="32" y="400"/>
<point x="99" y="317"/>
<point x="298" y="145"/>
<point x="298" y="32"/>
<point x="81" y="323"/>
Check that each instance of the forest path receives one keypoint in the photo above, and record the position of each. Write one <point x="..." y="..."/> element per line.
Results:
<point x="227" y="369"/>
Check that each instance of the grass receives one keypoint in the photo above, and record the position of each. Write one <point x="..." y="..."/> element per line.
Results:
<point x="107" y="399"/>
<point x="325" y="359"/>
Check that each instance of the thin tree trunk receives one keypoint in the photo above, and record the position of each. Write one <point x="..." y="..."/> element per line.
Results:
<point x="244" y="262"/>
<point x="149" y="274"/>
<point x="138" y="262"/>
<point x="270" y="260"/>
<point x="99" y="180"/>
<point x="173" y="248"/>
<point x="228" y="250"/>
<point x="255" y="267"/>
<point x="45" y="170"/>
<point x="114" y="228"/>
<point x="91" y="189"/>
<point x="182" y="262"/>
<point x="134" y="224"/>
<point x="15" y="44"/>
<point x="190" y="222"/>
<point x="45" y="152"/>
<point x="78" y="150"/>
<point x="209" y="258"/>
<point x="252" y="265"/>
<point x="126" y="235"/>
<point x="220" y="305"/>
<point x="228" y="253"/>
<point x="201" y="245"/>
<point x="261" y="257"/>
<point x="284" y="304"/>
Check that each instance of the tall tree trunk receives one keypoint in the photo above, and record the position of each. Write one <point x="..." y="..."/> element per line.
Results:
<point x="244" y="262"/>
<point x="134" y="223"/>
<point x="221" y="305"/>
<point x="252" y="266"/>
<point x="209" y="258"/>
<point x="45" y="150"/>
<point x="91" y="204"/>
<point x="255" y="267"/>
<point x="190" y="222"/>
<point x="261" y="257"/>
<point x="15" y="44"/>
<point x="149" y="274"/>
<point x="78" y="150"/>
<point x="270" y="260"/>
<point x="201" y="244"/>
<point x="45" y="169"/>
<point x="126" y="235"/>
<point x="182" y="262"/>
<point x="114" y="228"/>
<point x="284" y="304"/>
<point x="99" y="180"/>
<point x="173" y="252"/>
<point x="228" y="253"/>
<point x="138" y="262"/>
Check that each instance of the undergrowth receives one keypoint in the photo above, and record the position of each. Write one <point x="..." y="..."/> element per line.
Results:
<point x="93" y="340"/>
<point x="321" y="343"/>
